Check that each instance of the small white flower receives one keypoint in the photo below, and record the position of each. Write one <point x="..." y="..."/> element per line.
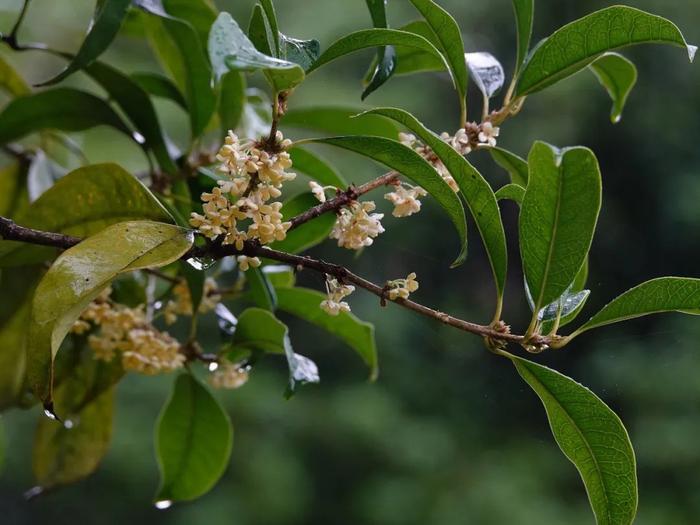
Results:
<point x="402" y="288"/>
<point x="317" y="191"/>
<point x="405" y="200"/>
<point x="245" y="262"/>
<point x="355" y="228"/>
<point x="488" y="134"/>
<point x="334" y="304"/>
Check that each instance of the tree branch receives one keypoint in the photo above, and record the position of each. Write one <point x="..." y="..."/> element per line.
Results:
<point x="10" y="231"/>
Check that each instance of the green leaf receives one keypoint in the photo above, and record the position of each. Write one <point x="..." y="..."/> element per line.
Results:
<point x="195" y="284"/>
<point x="159" y="86"/>
<point x="524" y="16"/>
<point x="359" y="335"/>
<point x="178" y="45"/>
<point x="571" y="302"/>
<point x="475" y="190"/>
<point x="103" y="29"/>
<point x="11" y="81"/>
<point x="385" y="62"/>
<point x="592" y="437"/>
<point x="398" y="157"/>
<point x="664" y="294"/>
<point x="513" y="164"/>
<point x="414" y="60"/>
<point x="618" y="76"/>
<point x="138" y="107"/>
<point x="271" y="16"/>
<point x="558" y="218"/>
<point x="66" y="453"/>
<point x="374" y="38"/>
<point x="259" y="31"/>
<point x="512" y="192"/>
<point x="261" y="291"/>
<point x="302" y="52"/>
<point x="231" y="50"/>
<point x="232" y="99"/>
<point x="13" y="191"/>
<point x="80" y="274"/>
<point x="339" y="121"/>
<point x="315" y="167"/>
<point x="309" y="234"/>
<point x="279" y="275"/>
<point x="193" y="438"/>
<point x="200" y="14"/>
<point x="99" y="195"/>
<point x="451" y="44"/>
<point x="579" y="43"/>
<point x="64" y="109"/>
<point x="259" y="330"/>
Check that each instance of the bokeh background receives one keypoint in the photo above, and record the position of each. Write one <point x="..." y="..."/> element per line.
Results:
<point x="449" y="434"/>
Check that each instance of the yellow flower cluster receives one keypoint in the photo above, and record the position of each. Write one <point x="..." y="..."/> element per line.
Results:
<point x="228" y="375"/>
<point x="405" y="199"/>
<point x="240" y="208"/>
<point x="402" y="288"/>
<point x="356" y="227"/>
<point x="181" y="303"/>
<point x="125" y="331"/>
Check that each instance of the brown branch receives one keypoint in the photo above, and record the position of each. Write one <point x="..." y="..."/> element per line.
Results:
<point x="11" y="231"/>
<point x="343" y="199"/>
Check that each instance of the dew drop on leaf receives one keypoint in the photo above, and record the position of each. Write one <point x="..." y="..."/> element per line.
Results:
<point x="163" y="504"/>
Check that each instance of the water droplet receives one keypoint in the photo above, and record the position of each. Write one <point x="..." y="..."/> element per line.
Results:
<point x="138" y="137"/>
<point x="226" y="320"/>
<point x="163" y="504"/>
<point x="33" y="492"/>
<point x="201" y="263"/>
<point x="213" y="367"/>
<point x="158" y="305"/>
<point x="69" y="423"/>
<point x="50" y="412"/>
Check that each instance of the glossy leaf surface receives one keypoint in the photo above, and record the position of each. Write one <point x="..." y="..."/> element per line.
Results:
<point x="618" y="76"/>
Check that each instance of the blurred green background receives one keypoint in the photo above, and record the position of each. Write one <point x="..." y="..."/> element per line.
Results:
<point x="448" y="434"/>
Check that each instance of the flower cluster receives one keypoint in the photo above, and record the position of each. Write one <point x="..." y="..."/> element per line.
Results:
<point x="334" y="304"/>
<point x="319" y="191"/>
<point x="464" y="141"/>
<point x="240" y="208"/>
<point x="402" y="288"/>
<point x="181" y="303"/>
<point x="405" y="199"/>
<point x="126" y="332"/>
<point x="356" y="227"/>
<point x="228" y="375"/>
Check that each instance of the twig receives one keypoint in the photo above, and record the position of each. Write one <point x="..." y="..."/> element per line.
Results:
<point x="10" y="231"/>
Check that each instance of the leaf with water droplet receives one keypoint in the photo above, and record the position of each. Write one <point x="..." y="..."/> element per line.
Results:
<point x="194" y="438"/>
<point x="618" y="76"/>
<point x="80" y="274"/>
<point x="486" y="72"/>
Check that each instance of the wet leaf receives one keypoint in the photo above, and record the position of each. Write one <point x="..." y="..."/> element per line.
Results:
<point x="302" y="370"/>
<point x="558" y="218"/>
<point x="261" y="291"/>
<point x="664" y="294"/>
<point x="409" y="61"/>
<point x="512" y="163"/>
<point x="159" y="86"/>
<point x="451" y="44"/>
<point x="315" y="167"/>
<point x="80" y="274"/>
<point x="43" y="173"/>
<point x="309" y="234"/>
<point x="486" y="72"/>
<point x="11" y="81"/>
<point x="592" y="437"/>
<point x="231" y="50"/>
<point x="511" y="192"/>
<point x="194" y="438"/>
<point x="200" y="14"/>
<point x="271" y="16"/>
<point x="524" y="15"/>
<point x="618" y="76"/>
<point x="579" y="43"/>
<point x="404" y="160"/>
<point x="475" y="190"/>
<point x="232" y="100"/>
<point x="103" y="29"/>
<point x="99" y="195"/>
<point x="64" y="109"/>
<point x="339" y="120"/>
<point x="260" y="331"/>
<point x="302" y="52"/>
<point x="259" y="32"/>
<point x="366" y="38"/>
<point x="359" y="335"/>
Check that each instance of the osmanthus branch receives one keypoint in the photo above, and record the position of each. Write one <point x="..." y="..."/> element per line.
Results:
<point x="13" y="232"/>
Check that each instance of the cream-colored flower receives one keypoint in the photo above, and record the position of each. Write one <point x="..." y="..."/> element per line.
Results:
<point x="228" y="375"/>
<point x="405" y="200"/>
<point x="402" y="288"/>
<point x="356" y="227"/>
<point x="245" y="262"/>
<point x="488" y="134"/>
<point x="334" y="304"/>
<point x="151" y="352"/>
<point x="181" y="301"/>
<point x="317" y="191"/>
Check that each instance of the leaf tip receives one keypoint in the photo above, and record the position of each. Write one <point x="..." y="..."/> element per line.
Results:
<point x="691" y="52"/>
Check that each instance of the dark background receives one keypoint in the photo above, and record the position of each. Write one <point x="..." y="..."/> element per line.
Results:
<point x="449" y="434"/>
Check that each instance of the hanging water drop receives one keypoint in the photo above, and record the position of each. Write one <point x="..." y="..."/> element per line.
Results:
<point x="33" y="492"/>
<point x="163" y="504"/>
<point x="201" y="263"/>
<point x="213" y="367"/>
<point x="50" y="412"/>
